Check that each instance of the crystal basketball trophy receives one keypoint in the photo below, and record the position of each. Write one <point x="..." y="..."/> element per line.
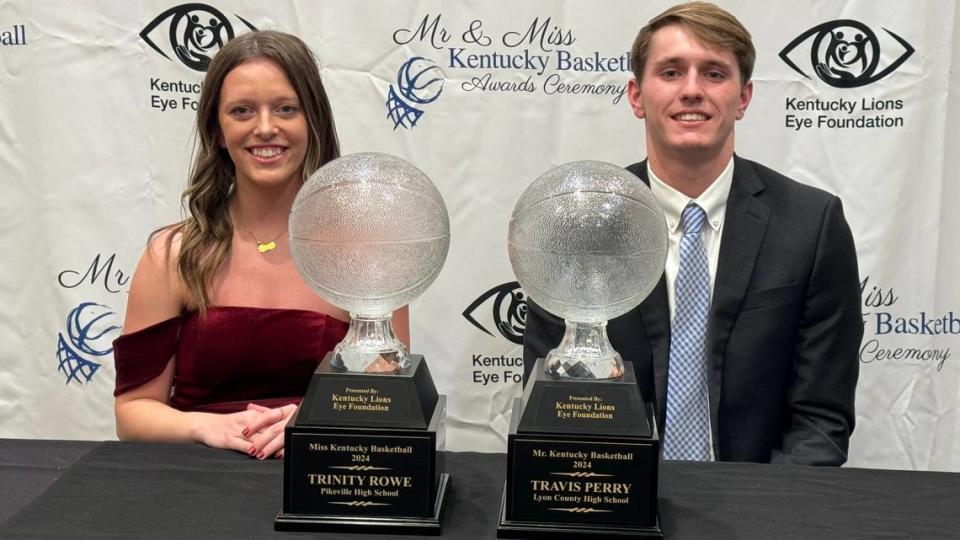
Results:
<point x="369" y="232"/>
<point x="588" y="242"/>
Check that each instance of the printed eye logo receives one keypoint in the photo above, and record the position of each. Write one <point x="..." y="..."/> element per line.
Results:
<point x="90" y="333"/>
<point x="509" y="311"/>
<point x="845" y="53"/>
<point x="197" y="31"/>
<point x="413" y="85"/>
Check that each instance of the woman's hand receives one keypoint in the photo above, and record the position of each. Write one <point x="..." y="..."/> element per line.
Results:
<point x="265" y="430"/>
<point x="226" y="430"/>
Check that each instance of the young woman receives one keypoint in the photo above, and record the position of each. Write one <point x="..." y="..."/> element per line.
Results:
<point x="221" y="333"/>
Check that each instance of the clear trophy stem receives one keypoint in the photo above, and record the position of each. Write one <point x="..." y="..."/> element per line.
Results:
<point x="584" y="353"/>
<point x="370" y="346"/>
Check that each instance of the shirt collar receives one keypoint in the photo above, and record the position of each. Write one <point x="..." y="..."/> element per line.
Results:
<point x="713" y="200"/>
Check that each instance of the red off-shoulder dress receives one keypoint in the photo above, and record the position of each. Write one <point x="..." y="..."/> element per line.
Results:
<point x="232" y="357"/>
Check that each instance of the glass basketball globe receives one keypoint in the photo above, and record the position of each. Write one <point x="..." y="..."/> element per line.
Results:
<point x="587" y="242"/>
<point x="369" y="233"/>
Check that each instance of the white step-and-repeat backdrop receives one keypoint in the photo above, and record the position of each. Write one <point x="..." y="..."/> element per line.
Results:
<point x="97" y="102"/>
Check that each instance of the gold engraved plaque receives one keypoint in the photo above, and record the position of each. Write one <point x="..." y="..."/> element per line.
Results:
<point x="368" y="475"/>
<point x="361" y="399"/>
<point x="561" y="480"/>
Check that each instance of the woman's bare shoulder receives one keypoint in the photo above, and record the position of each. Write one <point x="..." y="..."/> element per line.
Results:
<point x="156" y="291"/>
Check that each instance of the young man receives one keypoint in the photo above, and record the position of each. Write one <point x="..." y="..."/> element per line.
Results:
<point x="748" y="345"/>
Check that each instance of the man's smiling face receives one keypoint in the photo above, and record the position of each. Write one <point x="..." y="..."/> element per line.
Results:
<point x="690" y="96"/>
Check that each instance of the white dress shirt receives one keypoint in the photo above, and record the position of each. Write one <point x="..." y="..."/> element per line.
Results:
<point x="713" y="201"/>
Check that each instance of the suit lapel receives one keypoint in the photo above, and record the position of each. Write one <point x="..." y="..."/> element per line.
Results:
<point x="745" y="223"/>
<point x="655" y="313"/>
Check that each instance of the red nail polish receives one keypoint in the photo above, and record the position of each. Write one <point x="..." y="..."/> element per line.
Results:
<point x="261" y="455"/>
<point x="245" y="432"/>
<point x="252" y="450"/>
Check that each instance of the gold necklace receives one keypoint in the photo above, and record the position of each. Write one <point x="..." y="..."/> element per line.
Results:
<point x="269" y="245"/>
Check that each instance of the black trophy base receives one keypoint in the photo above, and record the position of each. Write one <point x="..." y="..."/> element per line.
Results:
<point x="430" y="525"/>
<point x="582" y="461"/>
<point x="361" y="454"/>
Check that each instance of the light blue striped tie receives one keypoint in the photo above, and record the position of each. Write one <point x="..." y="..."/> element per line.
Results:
<point x="687" y="434"/>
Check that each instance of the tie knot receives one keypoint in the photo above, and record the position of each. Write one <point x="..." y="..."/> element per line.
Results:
<point x="692" y="219"/>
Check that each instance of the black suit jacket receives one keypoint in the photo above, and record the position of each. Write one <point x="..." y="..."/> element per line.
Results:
<point x="784" y="331"/>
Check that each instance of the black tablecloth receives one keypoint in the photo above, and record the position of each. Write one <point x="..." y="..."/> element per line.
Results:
<point x="133" y="490"/>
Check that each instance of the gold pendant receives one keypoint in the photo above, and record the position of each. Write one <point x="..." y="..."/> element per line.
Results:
<point x="264" y="247"/>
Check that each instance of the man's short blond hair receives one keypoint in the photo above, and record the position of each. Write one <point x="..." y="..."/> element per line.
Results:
<point x="712" y="26"/>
